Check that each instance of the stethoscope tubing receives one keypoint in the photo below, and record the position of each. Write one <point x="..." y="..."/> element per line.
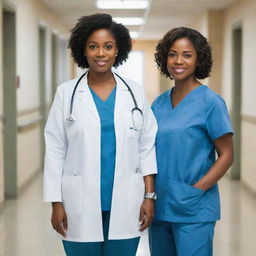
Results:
<point x="77" y="83"/>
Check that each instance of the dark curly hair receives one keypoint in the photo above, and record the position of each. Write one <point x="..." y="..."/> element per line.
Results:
<point x="86" y="25"/>
<point x="203" y="49"/>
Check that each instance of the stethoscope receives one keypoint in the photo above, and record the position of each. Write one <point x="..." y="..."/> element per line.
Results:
<point x="137" y="114"/>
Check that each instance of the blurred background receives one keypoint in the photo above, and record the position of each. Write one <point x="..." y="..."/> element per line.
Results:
<point x="34" y="60"/>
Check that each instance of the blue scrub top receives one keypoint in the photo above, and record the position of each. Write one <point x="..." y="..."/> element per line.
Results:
<point x="108" y="146"/>
<point x="185" y="152"/>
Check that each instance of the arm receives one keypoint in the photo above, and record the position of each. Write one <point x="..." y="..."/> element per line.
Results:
<point x="55" y="153"/>
<point x="148" y="166"/>
<point x="224" y="148"/>
<point x="147" y="207"/>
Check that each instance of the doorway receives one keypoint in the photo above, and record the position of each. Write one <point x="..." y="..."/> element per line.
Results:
<point x="236" y="99"/>
<point x="54" y="64"/>
<point x="42" y="90"/>
<point x="9" y="103"/>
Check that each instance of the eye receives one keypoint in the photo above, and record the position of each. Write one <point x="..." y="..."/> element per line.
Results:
<point x="92" y="46"/>
<point x="109" y="47"/>
<point x="171" y="54"/>
<point x="187" y="56"/>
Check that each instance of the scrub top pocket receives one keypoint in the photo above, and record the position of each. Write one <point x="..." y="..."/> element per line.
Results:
<point x="72" y="194"/>
<point x="183" y="199"/>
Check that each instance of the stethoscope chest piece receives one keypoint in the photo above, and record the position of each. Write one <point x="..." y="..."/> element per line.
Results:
<point x="71" y="118"/>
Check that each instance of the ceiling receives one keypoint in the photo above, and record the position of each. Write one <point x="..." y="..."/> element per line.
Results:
<point x="160" y="16"/>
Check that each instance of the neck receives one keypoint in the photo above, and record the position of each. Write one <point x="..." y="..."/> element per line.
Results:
<point x="95" y="78"/>
<point x="184" y="86"/>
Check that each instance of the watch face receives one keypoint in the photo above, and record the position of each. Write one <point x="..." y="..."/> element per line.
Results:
<point x="152" y="196"/>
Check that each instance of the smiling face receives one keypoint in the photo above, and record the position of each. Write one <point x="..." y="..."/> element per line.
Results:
<point x="101" y="51"/>
<point x="182" y="59"/>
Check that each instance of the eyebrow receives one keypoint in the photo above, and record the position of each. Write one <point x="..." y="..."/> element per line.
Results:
<point x="183" y="51"/>
<point x="104" y="42"/>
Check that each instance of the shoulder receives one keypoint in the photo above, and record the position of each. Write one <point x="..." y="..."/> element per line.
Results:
<point x="160" y="99"/>
<point x="136" y="88"/>
<point x="211" y="97"/>
<point x="213" y="101"/>
<point x="68" y="85"/>
<point x="131" y="83"/>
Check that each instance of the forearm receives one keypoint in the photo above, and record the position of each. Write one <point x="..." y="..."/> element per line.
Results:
<point x="149" y="183"/>
<point x="215" y="173"/>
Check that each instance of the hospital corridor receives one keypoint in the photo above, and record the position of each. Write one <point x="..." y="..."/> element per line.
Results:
<point x="35" y="60"/>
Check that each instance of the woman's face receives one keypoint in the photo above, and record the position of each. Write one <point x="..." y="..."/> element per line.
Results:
<point x="182" y="59"/>
<point x="101" y="50"/>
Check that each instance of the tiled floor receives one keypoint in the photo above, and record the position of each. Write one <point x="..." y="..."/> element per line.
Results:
<point x="25" y="229"/>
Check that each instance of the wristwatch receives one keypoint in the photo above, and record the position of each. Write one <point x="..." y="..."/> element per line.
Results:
<point x="152" y="196"/>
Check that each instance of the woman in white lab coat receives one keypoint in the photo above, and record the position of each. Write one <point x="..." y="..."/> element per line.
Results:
<point x="100" y="155"/>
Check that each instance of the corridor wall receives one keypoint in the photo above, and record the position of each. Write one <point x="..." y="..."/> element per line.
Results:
<point x="1" y="115"/>
<point x="30" y="15"/>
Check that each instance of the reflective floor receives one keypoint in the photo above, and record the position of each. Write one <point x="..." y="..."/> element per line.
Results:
<point x="25" y="228"/>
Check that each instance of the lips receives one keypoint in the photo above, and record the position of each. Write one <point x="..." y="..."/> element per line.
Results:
<point x="178" y="70"/>
<point x="101" y="63"/>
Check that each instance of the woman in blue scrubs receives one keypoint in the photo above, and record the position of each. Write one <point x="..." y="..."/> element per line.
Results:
<point x="193" y="124"/>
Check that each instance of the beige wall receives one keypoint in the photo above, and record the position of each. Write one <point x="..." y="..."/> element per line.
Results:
<point x="200" y="23"/>
<point x="30" y="14"/>
<point x="1" y="115"/>
<point x="215" y="38"/>
<point x="243" y="12"/>
<point x="151" y="74"/>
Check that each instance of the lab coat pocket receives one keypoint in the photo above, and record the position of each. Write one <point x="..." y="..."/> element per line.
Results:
<point x="72" y="194"/>
<point x="183" y="199"/>
<point x="137" y="189"/>
<point x="132" y="133"/>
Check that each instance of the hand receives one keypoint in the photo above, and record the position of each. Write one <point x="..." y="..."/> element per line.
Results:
<point x="146" y="213"/>
<point x="59" y="218"/>
<point x="199" y="187"/>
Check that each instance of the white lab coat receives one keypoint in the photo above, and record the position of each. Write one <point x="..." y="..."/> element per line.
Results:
<point x="72" y="161"/>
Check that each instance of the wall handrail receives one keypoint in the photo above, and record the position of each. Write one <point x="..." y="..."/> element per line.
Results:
<point x="28" y="124"/>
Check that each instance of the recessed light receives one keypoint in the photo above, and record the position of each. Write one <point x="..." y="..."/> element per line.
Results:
<point x="122" y="4"/>
<point x="129" y="21"/>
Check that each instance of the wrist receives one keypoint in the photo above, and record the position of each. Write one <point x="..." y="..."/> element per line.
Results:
<point x="150" y="196"/>
<point x="56" y="204"/>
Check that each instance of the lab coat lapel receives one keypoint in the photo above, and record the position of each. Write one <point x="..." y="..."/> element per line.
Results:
<point x="122" y="96"/>
<point x="85" y="96"/>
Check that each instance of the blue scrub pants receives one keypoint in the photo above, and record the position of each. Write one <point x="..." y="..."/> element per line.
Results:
<point x="122" y="247"/>
<point x="181" y="239"/>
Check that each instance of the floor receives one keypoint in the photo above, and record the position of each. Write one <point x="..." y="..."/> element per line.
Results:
<point x="25" y="228"/>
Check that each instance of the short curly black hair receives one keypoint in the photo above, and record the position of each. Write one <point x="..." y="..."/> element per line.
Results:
<point x="86" y="25"/>
<point x="203" y="49"/>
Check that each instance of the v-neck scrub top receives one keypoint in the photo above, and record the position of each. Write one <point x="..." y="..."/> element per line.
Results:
<point x="185" y="152"/>
<point x="108" y="146"/>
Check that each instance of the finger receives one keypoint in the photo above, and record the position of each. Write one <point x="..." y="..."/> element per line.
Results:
<point x="144" y="225"/>
<point x="60" y="229"/>
<point x="53" y="225"/>
<point x="145" y="222"/>
<point x="65" y="224"/>
<point x="142" y="212"/>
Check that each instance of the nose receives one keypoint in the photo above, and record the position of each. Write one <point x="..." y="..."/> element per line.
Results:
<point x="179" y="60"/>
<point x="101" y="52"/>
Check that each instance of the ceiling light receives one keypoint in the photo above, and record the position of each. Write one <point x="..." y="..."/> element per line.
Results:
<point x="122" y="4"/>
<point x="130" y="21"/>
